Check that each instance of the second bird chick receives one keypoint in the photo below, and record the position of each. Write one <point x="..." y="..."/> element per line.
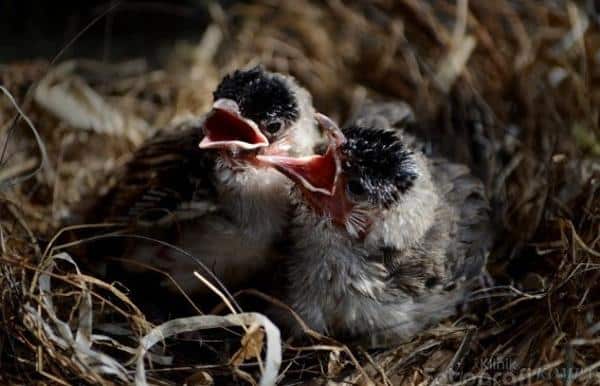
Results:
<point x="383" y="236"/>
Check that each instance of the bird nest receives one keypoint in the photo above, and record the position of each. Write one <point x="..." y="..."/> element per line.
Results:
<point x="510" y="88"/>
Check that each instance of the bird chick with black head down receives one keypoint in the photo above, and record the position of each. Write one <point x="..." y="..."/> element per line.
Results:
<point x="202" y="188"/>
<point x="384" y="238"/>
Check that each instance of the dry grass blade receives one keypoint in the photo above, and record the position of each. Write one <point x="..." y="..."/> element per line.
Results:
<point x="203" y="322"/>
<point x="59" y="332"/>
<point x="461" y="48"/>
<point x="69" y="98"/>
<point x="40" y="143"/>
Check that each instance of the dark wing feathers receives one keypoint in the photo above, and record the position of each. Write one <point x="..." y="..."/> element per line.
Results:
<point x="455" y="248"/>
<point x="163" y="177"/>
<point x="471" y="232"/>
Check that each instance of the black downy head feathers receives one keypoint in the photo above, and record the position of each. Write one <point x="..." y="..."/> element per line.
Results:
<point x="378" y="167"/>
<point x="260" y="95"/>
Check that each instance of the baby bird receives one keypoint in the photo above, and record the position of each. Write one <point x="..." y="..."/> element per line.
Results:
<point x="384" y="238"/>
<point x="202" y="188"/>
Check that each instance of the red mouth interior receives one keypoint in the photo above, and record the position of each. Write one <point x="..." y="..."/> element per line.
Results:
<point x="320" y="172"/>
<point x="223" y="126"/>
<point x="314" y="173"/>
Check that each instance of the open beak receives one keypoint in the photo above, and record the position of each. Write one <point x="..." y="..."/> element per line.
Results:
<point x="226" y="128"/>
<point x="316" y="173"/>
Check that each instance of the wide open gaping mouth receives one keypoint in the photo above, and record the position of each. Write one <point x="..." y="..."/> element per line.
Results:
<point x="315" y="173"/>
<point x="226" y="128"/>
<point x="322" y="181"/>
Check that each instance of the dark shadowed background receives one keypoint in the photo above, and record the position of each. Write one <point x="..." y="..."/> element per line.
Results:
<point x="33" y="29"/>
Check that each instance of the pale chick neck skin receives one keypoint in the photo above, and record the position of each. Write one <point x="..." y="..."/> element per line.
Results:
<point x="337" y="289"/>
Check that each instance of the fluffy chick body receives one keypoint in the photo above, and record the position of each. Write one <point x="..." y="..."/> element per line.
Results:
<point x="215" y="204"/>
<point x="412" y="266"/>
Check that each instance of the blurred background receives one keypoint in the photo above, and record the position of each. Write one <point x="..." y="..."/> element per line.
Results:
<point x="39" y="29"/>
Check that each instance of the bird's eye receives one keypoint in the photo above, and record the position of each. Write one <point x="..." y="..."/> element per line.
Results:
<point x="273" y="127"/>
<point x="356" y="189"/>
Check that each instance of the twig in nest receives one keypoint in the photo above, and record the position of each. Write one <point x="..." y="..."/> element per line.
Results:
<point x="40" y="144"/>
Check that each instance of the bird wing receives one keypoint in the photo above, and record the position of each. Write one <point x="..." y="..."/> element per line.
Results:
<point x="471" y="233"/>
<point x="167" y="179"/>
<point x="456" y="246"/>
